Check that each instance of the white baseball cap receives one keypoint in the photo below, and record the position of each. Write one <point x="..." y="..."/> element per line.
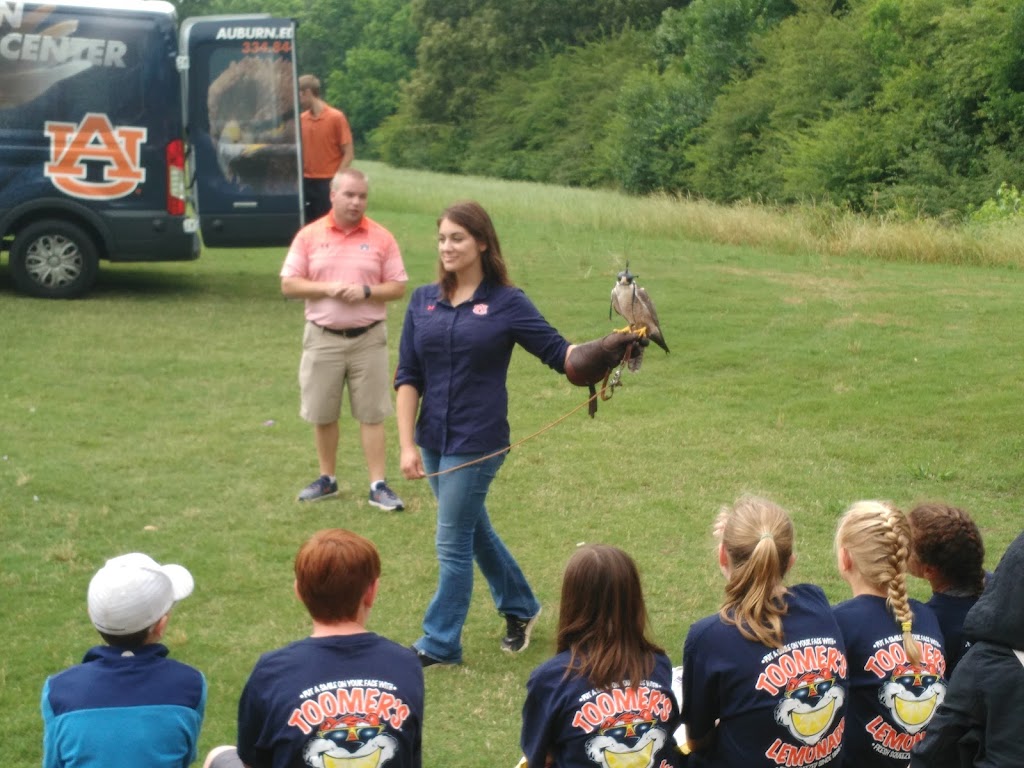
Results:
<point x="133" y="592"/>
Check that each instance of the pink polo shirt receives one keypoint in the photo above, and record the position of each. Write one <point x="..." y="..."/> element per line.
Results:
<point x="367" y="254"/>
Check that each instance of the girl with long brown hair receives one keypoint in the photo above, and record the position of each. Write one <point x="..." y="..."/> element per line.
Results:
<point x="764" y="679"/>
<point x="606" y="697"/>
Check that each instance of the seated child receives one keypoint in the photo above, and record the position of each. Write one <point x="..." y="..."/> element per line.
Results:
<point x="127" y="704"/>
<point x="947" y="550"/>
<point x="343" y="696"/>
<point x="978" y="723"/>
<point x="606" y="697"/>
<point x="893" y="643"/>
<point x="764" y="679"/>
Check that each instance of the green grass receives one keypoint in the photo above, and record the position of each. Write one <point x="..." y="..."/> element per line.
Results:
<point x="160" y="414"/>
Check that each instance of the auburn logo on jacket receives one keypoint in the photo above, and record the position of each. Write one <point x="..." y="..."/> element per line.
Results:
<point x="114" y="153"/>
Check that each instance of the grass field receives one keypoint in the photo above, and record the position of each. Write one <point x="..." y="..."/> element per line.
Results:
<point x="160" y="414"/>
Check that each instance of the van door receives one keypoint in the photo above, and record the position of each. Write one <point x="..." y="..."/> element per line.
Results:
<point x="241" y="120"/>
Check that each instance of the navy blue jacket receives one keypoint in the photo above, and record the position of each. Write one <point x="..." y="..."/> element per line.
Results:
<point x="123" y="709"/>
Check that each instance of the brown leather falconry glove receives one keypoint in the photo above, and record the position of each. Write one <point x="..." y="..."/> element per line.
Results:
<point x="591" y="362"/>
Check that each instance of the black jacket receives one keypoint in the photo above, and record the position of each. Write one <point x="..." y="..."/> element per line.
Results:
<point x="981" y="722"/>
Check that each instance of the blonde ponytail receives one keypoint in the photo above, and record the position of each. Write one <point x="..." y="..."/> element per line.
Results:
<point x="757" y="536"/>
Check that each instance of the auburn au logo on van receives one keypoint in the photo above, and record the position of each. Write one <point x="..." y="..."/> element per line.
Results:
<point x="97" y="141"/>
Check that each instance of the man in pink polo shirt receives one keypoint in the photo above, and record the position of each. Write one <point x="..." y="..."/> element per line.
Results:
<point x="346" y="267"/>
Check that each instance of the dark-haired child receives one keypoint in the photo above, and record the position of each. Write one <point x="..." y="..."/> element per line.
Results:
<point x="947" y="550"/>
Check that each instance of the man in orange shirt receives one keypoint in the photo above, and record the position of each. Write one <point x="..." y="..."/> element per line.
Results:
<point x="326" y="147"/>
<point x="347" y="267"/>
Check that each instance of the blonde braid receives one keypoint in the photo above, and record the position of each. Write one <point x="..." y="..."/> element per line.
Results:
<point x="877" y="537"/>
<point x="897" y="534"/>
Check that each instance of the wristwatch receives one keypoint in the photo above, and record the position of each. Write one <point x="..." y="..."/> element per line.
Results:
<point x="366" y="291"/>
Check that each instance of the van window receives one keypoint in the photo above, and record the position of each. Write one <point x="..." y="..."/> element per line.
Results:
<point x="251" y="118"/>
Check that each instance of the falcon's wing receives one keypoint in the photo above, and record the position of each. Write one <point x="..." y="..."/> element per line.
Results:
<point x="645" y="314"/>
<point x="646" y="308"/>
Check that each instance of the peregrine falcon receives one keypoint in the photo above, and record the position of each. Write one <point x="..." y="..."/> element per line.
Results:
<point x="635" y="305"/>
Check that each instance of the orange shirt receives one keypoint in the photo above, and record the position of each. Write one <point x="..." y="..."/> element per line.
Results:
<point x="367" y="254"/>
<point x="322" y="140"/>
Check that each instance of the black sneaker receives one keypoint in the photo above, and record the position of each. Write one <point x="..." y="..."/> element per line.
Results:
<point x="321" y="488"/>
<point x="383" y="497"/>
<point x="428" y="661"/>
<point x="517" y="633"/>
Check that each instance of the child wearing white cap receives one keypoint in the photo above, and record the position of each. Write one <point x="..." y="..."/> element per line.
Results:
<point x="127" y="704"/>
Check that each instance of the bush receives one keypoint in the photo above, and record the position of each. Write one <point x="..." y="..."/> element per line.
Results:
<point x="1005" y="206"/>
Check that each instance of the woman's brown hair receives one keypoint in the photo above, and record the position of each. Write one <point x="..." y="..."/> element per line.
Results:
<point x="602" y="620"/>
<point x="472" y="217"/>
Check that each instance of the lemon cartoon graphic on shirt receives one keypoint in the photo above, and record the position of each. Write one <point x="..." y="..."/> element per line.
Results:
<point x="810" y="705"/>
<point x="892" y="697"/>
<point x="625" y="727"/>
<point x="808" y="680"/>
<point x="351" y="726"/>
<point x="354" y="741"/>
<point x="912" y="694"/>
<point x="627" y="741"/>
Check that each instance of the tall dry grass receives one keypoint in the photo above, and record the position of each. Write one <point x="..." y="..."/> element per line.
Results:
<point x="822" y="229"/>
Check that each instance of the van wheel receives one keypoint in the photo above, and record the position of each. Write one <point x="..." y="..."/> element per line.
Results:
<point x="54" y="259"/>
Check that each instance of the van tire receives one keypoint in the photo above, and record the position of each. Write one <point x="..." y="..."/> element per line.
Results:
<point x="54" y="259"/>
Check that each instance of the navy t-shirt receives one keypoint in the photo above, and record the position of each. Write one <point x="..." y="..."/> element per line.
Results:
<point x="951" y="612"/>
<point x="580" y="726"/>
<point x="331" y="700"/>
<point x="776" y="706"/>
<point x="891" y="701"/>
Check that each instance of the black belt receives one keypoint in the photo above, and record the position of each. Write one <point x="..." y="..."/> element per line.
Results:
<point x="348" y="333"/>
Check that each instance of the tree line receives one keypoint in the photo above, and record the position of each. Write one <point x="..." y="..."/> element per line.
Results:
<point x="896" y="107"/>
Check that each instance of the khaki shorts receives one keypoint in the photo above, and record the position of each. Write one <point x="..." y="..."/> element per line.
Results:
<point x="331" y="363"/>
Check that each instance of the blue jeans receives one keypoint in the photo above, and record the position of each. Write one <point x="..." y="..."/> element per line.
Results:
<point x="464" y="532"/>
